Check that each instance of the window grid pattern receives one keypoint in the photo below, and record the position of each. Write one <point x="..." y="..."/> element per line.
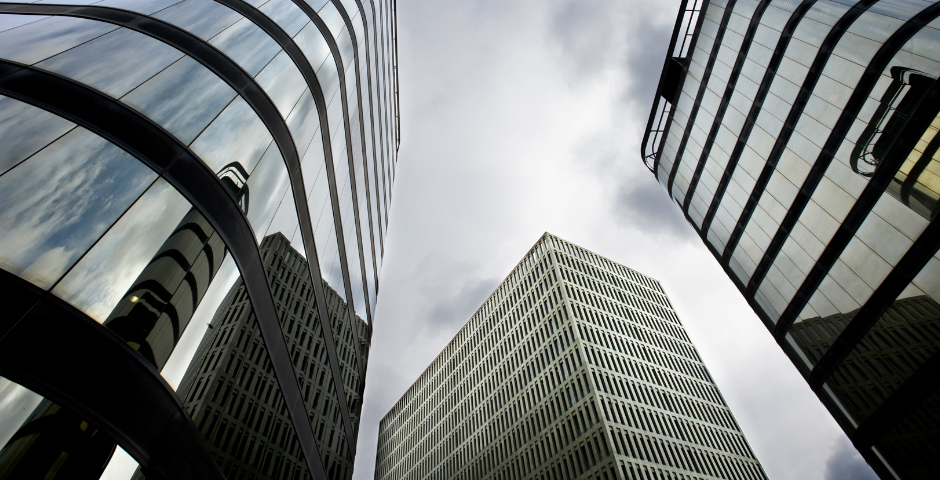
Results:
<point x="569" y="364"/>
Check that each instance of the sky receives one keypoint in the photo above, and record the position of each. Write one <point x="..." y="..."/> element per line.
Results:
<point x="523" y="117"/>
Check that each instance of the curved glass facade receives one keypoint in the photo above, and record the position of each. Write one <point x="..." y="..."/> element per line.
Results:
<point x="801" y="144"/>
<point x="174" y="176"/>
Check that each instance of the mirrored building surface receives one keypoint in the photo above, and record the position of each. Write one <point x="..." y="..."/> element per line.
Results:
<point x="163" y="163"/>
<point x="576" y="367"/>
<point x="799" y="138"/>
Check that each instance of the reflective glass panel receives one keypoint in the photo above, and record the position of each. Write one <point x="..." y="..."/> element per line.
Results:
<point x="25" y="129"/>
<point x="168" y="98"/>
<point x="114" y="63"/>
<point x="61" y="200"/>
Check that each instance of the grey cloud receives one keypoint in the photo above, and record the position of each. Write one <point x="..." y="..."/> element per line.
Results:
<point x="455" y="307"/>
<point x="845" y="463"/>
<point x="586" y="34"/>
<point x="644" y="62"/>
<point x="646" y="206"/>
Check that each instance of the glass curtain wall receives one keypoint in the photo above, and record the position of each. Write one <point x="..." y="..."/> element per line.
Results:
<point x="162" y="161"/>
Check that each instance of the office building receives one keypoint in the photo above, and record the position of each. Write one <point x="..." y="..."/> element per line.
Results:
<point x="228" y="387"/>
<point x="574" y="368"/>
<point x="155" y="154"/>
<point x="799" y="138"/>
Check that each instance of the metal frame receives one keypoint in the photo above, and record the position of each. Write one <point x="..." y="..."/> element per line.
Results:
<point x="725" y="100"/>
<point x="687" y="16"/>
<point x="776" y="58"/>
<point x="164" y="154"/>
<point x="703" y="86"/>
<point x="75" y="362"/>
<point x="796" y="111"/>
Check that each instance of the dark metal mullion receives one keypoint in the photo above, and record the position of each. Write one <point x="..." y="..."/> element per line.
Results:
<point x="378" y="203"/>
<point x="334" y="194"/>
<point x="662" y="80"/>
<point x="848" y="116"/>
<point x="863" y="206"/>
<point x="365" y="173"/>
<point x="881" y="299"/>
<point x="254" y="95"/>
<point x="703" y="86"/>
<point x="796" y="110"/>
<point x="378" y="121"/>
<point x="723" y="106"/>
<point x="685" y="73"/>
<point x="299" y="192"/>
<point x="144" y="415"/>
<point x="785" y="36"/>
<point x="379" y="180"/>
<point x="174" y="162"/>
<point x="386" y="61"/>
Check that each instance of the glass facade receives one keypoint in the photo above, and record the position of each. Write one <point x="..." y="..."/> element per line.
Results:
<point x="171" y="171"/>
<point x="575" y="367"/>
<point x="801" y="144"/>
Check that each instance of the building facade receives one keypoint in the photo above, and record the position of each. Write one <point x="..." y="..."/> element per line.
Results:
<point x="228" y="388"/>
<point x="162" y="162"/>
<point x="799" y="138"/>
<point x="575" y="367"/>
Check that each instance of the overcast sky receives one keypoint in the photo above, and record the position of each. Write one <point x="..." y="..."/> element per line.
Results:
<point x="524" y="117"/>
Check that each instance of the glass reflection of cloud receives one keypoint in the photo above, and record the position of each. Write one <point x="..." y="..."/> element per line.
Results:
<point x="267" y="183"/>
<point x="101" y="278"/>
<point x="168" y="98"/>
<point x="25" y="129"/>
<point x="203" y="18"/>
<point x="16" y="404"/>
<point x="237" y="135"/>
<point x="285" y="222"/>
<point x="246" y="44"/>
<point x="281" y="80"/>
<point x="303" y="123"/>
<point x="313" y="45"/>
<point x="49" y="37"/>
<point x="115" y="63"/>
<point x="57" y="203"/>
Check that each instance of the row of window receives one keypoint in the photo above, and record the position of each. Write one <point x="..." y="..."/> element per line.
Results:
<point x="527" y="371"/>
<point x="677" y="456"/>
<point x="507" y="292"/>
<point x="664" y="400"/>
<point x="678" y="427"/>
<point x="498" y="343"/>
<point x="639" y="329"/>
<point x="490" y="410"/>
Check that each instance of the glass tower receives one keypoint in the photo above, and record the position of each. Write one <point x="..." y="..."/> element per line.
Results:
<point x="575" y="367"/>
<point x="164" y="162"/>
<point x="799" y="138"/>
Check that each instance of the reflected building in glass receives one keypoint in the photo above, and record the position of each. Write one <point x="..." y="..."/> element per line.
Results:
<point x="576" y="367"/>
<point x="172" y="171"/>
<point x="799" y="138"/>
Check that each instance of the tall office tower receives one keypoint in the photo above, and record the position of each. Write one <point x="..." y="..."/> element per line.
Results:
<point x="799" y="138"/>
<point x="148" y="148"/>
<point x="575" y="367"/>
<point x="227" y="388"/>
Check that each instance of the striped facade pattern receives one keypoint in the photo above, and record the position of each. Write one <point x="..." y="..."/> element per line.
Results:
<point x="799" y="138"/>
<point x="575" y="367"/>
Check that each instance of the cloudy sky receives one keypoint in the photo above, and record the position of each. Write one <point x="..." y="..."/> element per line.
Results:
<point x="524" y="117"/>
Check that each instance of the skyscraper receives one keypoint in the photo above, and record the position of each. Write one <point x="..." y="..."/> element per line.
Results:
<point x="575" y="367"/>
<point x="148" y="147"/>
<point x="800" y="141"/>
<point x="228" y="386"/>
